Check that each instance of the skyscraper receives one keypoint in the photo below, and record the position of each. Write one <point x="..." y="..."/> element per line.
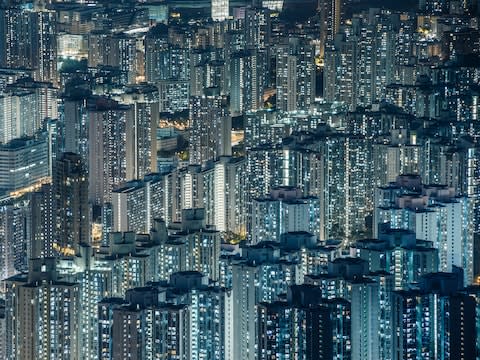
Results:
<point x="167" y="65"/>
<point x="23" y="162"/>
<point x="286" y="210"/>
<point x="251" y="285"/>
<point x="211" y="127"/>
<point x="435" y="213"/>
<point x="42" y="223"/>
<point x="257" y="37"/>
<point x="223" y="195"/>
<point x="220" y="10"/>
<point x="141" y="132"/>
<point x="246" y="87"/>
<point x="107" y="148"/>
<point x="137" y="203"/>
<point x="13" y="245"/>
<point x="46" y="48"/>
<point x="24" y="107"/>
<point x="117" y="50"/>
<point x="305" y="325"/>
<point x="398" y="252"/>
<point x="189" y="322"/>
<point x="295" y="81"/>
<point x="330" y="17"/>
<point x="445" y="315"/>
<point x="42" y="314"/>
<point x="70" y="196"/>
<point x="174" y="187"/>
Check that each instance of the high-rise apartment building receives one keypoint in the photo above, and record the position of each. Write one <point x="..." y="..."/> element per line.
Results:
<point x="263" y="170"/>
<point x="190" y="322"/>
<point x="76" y="122"/>
<point x="17" y="115"/>
<point x="46" y="49"/>
<point x="107" y="147"/>
<point x="334" y="167"/>
<point x="24" y="106"/>
<point x="211" y="127"/>
<point x="257" y="36"/>
<point x="223" y="195"/>
<point x="137" y="203"/>
<point x="435" y="321"/>
<point x="16" y="31"/>
<point x="42" y="223"/>
<point x="220" y="10"/>
<point x="167" y="65"/>
<point x="435" y="213"/>
<point x="118" y="50"/>
<point x="330" y="17"/>
<point x="245" y="83"/>
<point x="304" y="326"/>
<point x="286" y="210"/>
<point x="29" y="41"/>
<point x="359" y="63"/>
<point x="259" y="276"/>
<point x="184" y="190"/>
<point x="295" y="81"/>
<point x="42" y="315"/>
<point x="23" y="162"/>
<point x="13" y="246"/>
<point x="141" y="137"/>
<point x="70" y="201"/>
<point x="399" y="253"/>
<point x="192" y="246"/>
